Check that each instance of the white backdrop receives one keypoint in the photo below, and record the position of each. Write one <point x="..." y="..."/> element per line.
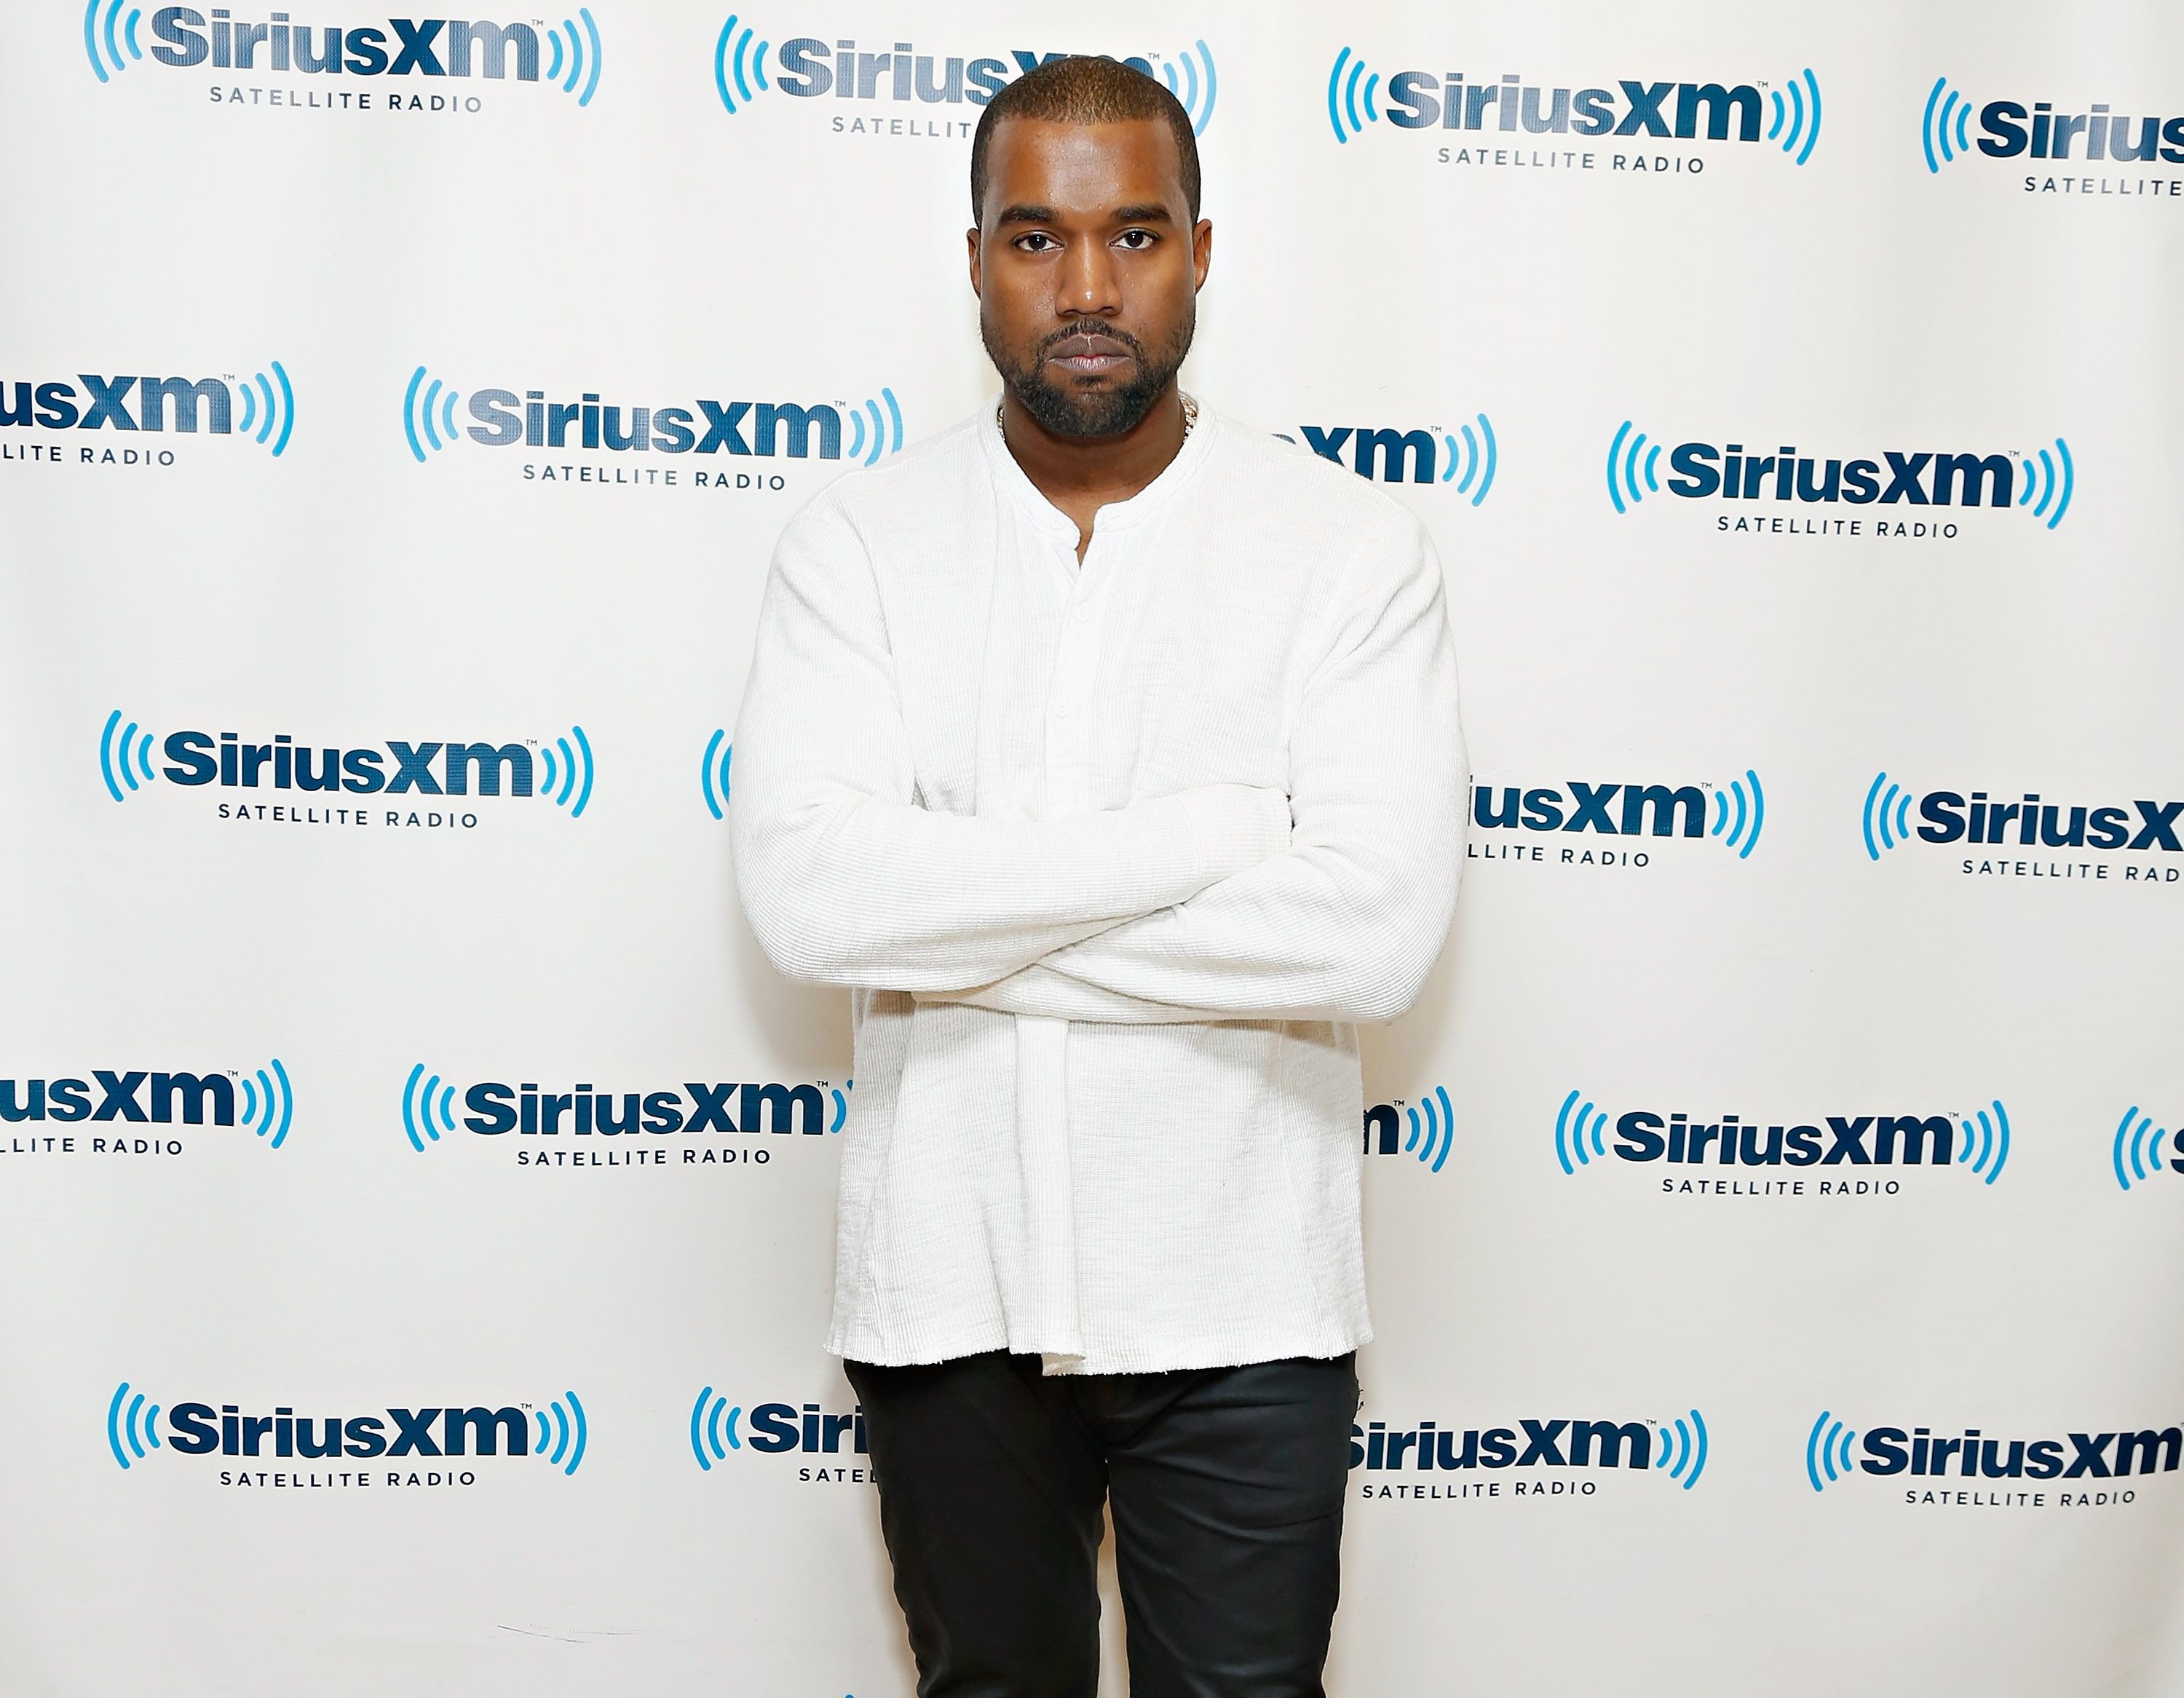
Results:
<point x="342" y="268"/>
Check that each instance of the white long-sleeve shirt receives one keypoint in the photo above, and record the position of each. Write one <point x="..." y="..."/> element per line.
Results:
<point x="1114" y="857"/>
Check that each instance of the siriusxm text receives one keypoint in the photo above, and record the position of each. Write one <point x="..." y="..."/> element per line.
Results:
<point x="425" y="769"/>
<point x="506" y="419"/>
<point x="199" y="1429"/>
<point x="1427" y="100"/>
<point x="187" y="404"/>
<point x="1861" y="1140"/>
<point x="1927" y="478"/>
<point x="811" y="68"/>
<point x="2075" y="1456"/>
<point x="2141" y="825"/>
<point x="406" y="46"/>
<point x="2044" y="133"/>
<point x="1388" y="455"/>
<point x="136" y="1095"/>
<point x="1656" y="807"/>
<point x="496" y="1108"/>
<point x="779" y="1427"/>
<point x="1552" y="1444"/>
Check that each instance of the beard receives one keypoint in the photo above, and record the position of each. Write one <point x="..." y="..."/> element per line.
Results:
<point x="1064" y="409"/>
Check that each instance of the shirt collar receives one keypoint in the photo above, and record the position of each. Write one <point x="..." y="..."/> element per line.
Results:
<point x="1116" y="514"/>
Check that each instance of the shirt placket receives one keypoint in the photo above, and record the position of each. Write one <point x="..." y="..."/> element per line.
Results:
<point x="1069" y="698"/>
<point x="1042" y="1045"/>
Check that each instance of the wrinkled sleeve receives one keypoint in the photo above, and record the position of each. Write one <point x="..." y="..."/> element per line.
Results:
<point x="1346" y="923"/>
<point x="847" y="879"/>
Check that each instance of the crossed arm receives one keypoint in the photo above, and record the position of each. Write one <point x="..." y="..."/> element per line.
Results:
<point x="846" y="879"/>
<point x="1207" y="905"/>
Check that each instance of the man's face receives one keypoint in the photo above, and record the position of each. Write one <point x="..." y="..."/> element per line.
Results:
<point x="1087" y="270"/>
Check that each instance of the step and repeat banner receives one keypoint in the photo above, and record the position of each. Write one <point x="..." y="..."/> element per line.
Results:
<point x="415" y="1190"/>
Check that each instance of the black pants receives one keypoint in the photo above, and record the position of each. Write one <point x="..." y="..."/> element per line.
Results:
<point x="1228" y="1486"/>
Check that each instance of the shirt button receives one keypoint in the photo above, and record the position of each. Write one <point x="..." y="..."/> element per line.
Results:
<point x="1061" y="711"/>
<point x="1082" y="614"/>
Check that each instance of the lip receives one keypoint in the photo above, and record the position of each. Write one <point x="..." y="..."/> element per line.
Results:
<point x="1090" y="355"/>
<point x="1090" y="365"/>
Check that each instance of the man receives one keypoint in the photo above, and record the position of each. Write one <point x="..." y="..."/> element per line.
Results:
<point x="1107" y="750"/>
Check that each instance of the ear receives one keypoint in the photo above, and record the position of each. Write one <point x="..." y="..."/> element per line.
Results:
<point x="978" y="270"/>
<point x="1201" y="249"/>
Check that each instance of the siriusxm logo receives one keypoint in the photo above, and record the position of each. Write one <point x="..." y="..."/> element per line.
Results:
<point x="183" y="38"/>
<point x="713" y="777"/>
<point x="261" y="1099"/>
<point x="807" y="68"/>
<point x="583" y="1111"/>
<point x="1633" y="108"/>
<point x="2028" y="822"/>
<point x="1431" y="1132"/>
<point x="776" y="1429"/>
<point x="1677" y="1449"/>
<point x="1466" y="457"/>
<point x="1834" y="1451"/>
<point x="560" y="1436"/>
<point x="1738" y="810"/>
<point x="260" y="408"/>
<point x="2010" y="129"/>
<point x="554" y="768"/>
<point x="2142" y="1150"/>
<point x="1978" y="1144"/>
<point x="2042" y="483"/>
<point x="760" y="430"/>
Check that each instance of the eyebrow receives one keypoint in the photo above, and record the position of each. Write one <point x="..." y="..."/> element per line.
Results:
<point x="1149" y="212"/>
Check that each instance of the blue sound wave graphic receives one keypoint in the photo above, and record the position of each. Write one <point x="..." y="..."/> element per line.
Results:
<point x="125" y="756"/>
<point x="885" y="435"/>
<point x="2141" y="1149"/>
<point x="1987" y="1150"/>
<point x="1741" y="813"/>
<point x="1827" y="1451"/>
<point x="842" y="1103"/>
<point x="715" y="777"/>
<point x="707" y="1428"/>
<point x="582" y="57"/>
<point x="735" y="51"/>
<point x="431" y="411"/>
<point x="1887" y="815"/>
<point x="1796" y="120"/>
<point x="1578" y="1136"/>
<point x="572" y="774"/>
<point x="103" y="43"/>
<point x="1683" y="1450"/>
<point x="1194" y="87"/>
<point x="1472" y="454"/>
<point x="1429" y="1138"/>
<point x="2051" y="484"/>
<point x="132" y="1425"/>
<point x="1631" y="467"/>
<point x="568" y="1432"/>
<point x="271" y="421"/>
<point x="1344" y="102"/>
<point x="268" y="1103"/>
<point x="1942" y="128"/>
<point x="428" y="1108"/>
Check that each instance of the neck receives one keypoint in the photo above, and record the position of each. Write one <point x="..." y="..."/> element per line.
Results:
<point x="1066" y="469"/>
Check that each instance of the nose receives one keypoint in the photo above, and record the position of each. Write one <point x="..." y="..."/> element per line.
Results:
<point x="1088" y="283"/>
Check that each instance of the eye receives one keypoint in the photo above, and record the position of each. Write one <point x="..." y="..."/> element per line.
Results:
<point x="1137" y="241"/>
<point x="1040" y="237"/>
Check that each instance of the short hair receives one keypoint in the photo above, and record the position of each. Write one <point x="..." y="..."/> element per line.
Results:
<point x="1079" y="88"/>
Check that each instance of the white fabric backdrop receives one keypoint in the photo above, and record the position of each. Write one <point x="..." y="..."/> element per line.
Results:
<point x="635" y="223"/>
